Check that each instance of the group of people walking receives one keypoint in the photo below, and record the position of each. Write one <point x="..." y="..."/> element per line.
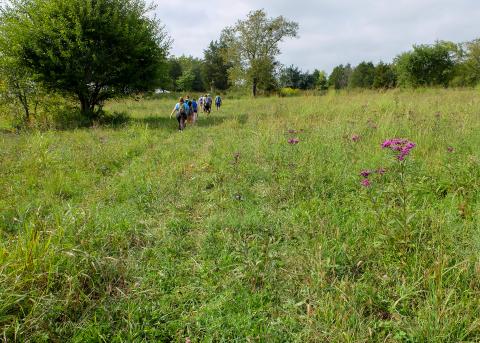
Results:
<point x="187" y="110"/>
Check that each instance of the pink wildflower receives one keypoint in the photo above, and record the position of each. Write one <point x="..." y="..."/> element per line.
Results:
<point x="366" y="183"/>
<point x="402" y="146"/>
<point x="366" y="173"/>
<point x="381" y="171"/>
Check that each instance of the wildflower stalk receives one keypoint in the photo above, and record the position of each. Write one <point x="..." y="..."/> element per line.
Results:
<point x="404" y="198"/>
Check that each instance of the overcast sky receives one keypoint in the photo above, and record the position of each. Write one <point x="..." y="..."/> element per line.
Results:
<point x="331" y="31"/>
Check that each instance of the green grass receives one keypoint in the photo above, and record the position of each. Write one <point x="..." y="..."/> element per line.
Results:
<point x="225" y="232"/>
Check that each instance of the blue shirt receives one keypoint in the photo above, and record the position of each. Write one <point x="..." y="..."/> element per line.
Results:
<point x="194" y="106"/>
<point x="177" y="107"/>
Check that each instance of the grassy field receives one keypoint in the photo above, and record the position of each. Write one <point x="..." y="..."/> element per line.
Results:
<point x="228" y="233"/>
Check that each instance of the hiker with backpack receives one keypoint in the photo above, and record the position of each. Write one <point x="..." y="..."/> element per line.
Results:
<point x="200" y="102"/>
<point x="195" y="110"/>
<point x="218" y="102"/>
<point x="208" y="103"/>
<point x="181" y="108"/>
<point x="190" y="110"/>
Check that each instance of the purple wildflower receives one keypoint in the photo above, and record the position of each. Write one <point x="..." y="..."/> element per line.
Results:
<point x="366" y="173"/>
<point x="355" y="138"/>
<point x="293" y="141"/>
<point x="451" y="149"/>
<point x="402" y="146"/>
<point x="366" y="183"/>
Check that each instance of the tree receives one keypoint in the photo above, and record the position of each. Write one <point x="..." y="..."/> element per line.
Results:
<point x="252" y="46"/>
<point x="174" y="73"/>
<point x="185" y="82"/>
<point x="321" y="80"/>
<point x="426" y="65"/>
<point x="193" y="66"/>
<point x="363" y="75"/>
<point x="473" y="62"/>
<point x="467" y="69"/>
<point x="290" y="77"/>
<point x="340" y="76"/>
<point x="384" y="76"/>
<point x="18" y="85"/>
<point x="94" y="50"/>
<point x="215" y="68"/>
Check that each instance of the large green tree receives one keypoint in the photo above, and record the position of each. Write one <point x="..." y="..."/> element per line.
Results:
<point x="253" y="45"/>
<point x="94" y="49"/>
<point x="340" y="76"/>
<point x="321" y="79"/>
<point x="290" y="77"/>
<point x="363" y="75"/>
<point x="426" y="65"/>
<point x="192" y="72"/>
<point x="175" y="71"/>
<point x="385" y="76"/>
<point x="215" y="67"/>
<point x="467" y="69"/>
<point x="18" y="85"/>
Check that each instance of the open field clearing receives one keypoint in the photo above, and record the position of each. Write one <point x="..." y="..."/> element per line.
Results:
<point x="252" y="226"/>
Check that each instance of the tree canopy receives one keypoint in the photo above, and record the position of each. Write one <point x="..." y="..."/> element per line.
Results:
<point x="215" y="67"/>
<point x="252" y="47"/>
<point x="94" y="50"/>
<point x="426" y="65"/>
<point x="363" y="75"/>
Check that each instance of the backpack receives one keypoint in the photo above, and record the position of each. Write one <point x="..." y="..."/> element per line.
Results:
<point x="181" y="109"/>
<point x="208" y="101"/>
<point x="190" y="108"/>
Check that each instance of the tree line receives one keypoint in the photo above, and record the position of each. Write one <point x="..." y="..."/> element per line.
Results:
<point x="442" y="64"/>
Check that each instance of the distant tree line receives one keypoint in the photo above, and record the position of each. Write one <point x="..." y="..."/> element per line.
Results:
<point x="444" y="64"/>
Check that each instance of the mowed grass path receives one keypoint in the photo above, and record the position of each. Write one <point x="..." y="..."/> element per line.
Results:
<point x="226" y="232"/>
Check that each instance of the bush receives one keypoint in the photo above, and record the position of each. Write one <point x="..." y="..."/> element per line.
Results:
<point x="286" y="92"/>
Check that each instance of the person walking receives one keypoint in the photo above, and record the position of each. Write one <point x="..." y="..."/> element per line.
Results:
<point x="194" y="110"/>
<point x="208" y="104"/>
<point x="190" y="110"/>
<point x="218" y="102"/>
<point x="181" y="109"/>
<point x="201" y="101"/>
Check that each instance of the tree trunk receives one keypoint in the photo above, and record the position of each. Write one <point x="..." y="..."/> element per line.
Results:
<point x="254" y="87"/>
<point x="24" y="101"/>
<point x="22" y="97"/>
<point x="86" y="107"/>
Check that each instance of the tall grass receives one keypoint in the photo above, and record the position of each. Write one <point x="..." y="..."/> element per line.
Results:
<point x="226" y="232"/>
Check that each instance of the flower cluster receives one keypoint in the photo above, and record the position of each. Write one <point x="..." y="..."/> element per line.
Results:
<point x="400" y="146"/>
<point x="294" y="140"/>
<point x="366" y="174"/>
<point x="366" y="183"/>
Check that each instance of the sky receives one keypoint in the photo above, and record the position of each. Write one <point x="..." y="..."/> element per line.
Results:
<point x="332" y="32"/>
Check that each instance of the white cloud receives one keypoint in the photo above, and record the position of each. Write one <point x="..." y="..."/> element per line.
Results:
<point x="331" y="31"/>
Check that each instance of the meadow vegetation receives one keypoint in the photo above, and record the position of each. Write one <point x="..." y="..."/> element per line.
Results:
<point x="253" y="225"/>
